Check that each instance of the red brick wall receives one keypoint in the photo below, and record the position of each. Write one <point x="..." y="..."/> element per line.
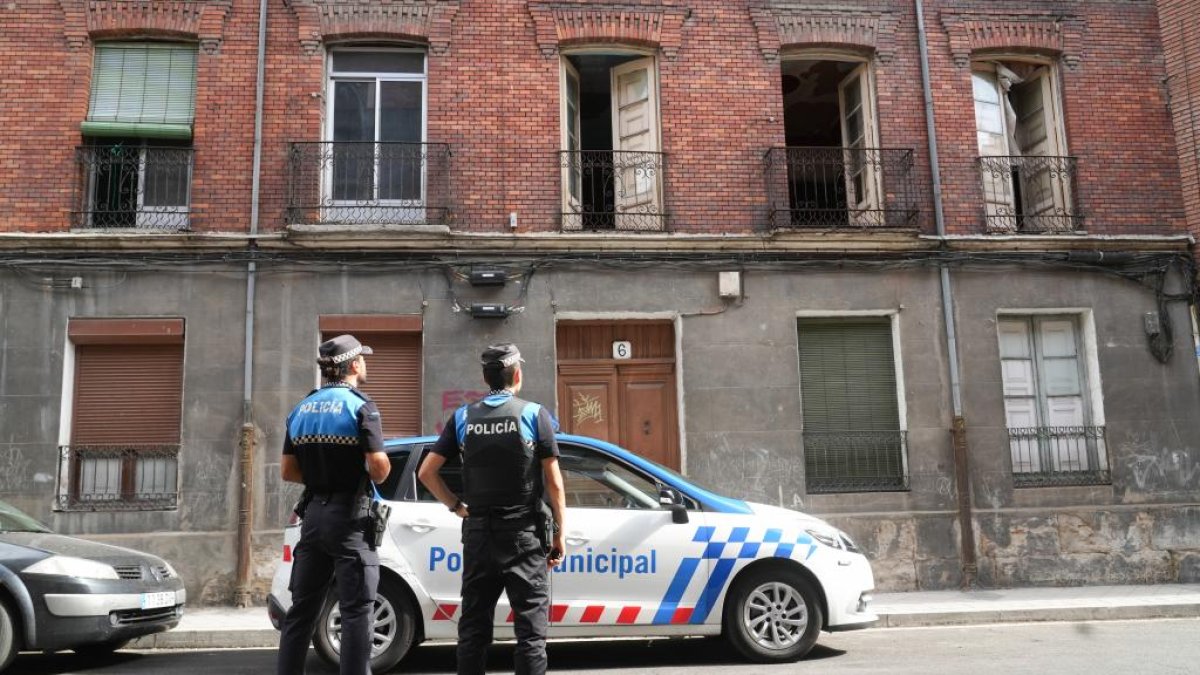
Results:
<point x="493" y="95"/>
<point x="1180" y="21"/>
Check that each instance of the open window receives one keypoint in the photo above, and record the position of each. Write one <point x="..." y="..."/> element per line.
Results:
<point x="611" y="159"/>
<point x="375" y="154"/>
<point x="834" y="164"/>
<point x="1022" y="148"/>
<point x="136" y="158"/>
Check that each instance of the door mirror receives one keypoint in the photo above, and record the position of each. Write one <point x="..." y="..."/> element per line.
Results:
<point x="673" y="502"/>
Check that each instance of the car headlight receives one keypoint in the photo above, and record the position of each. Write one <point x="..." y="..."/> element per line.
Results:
<point x="171" y="570"/>
<point x="848" y="543"/>
<point x="826" y="537"/>
<point x="66" y="566"/>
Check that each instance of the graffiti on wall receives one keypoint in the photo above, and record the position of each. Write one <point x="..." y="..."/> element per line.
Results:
<point x="452" y="399"/>
<point x="1153" y="467"/>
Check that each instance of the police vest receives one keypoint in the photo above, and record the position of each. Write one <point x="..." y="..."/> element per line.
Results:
<point x="325" y="434"/>
<point x="500" y="464"/>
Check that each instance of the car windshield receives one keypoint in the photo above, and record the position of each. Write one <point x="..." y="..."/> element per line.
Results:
<point x="679" y="476"/>
<point x="13" y="520"/>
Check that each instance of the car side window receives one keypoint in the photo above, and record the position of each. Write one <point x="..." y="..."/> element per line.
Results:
<point x="451" y="473"/>
<point x="594" y="481"/>
<point x="391" y="488"/>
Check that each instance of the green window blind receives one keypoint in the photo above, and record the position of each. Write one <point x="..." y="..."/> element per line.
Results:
<point x="848" y="375"/>
<point x="146" y="90"/>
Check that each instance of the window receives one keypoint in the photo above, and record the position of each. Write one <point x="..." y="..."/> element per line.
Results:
<point x="451" y="472"/>
<point x="115" y="459"/>
<point x="393" y="370"/>
<point x="597" y="482"/>
<point x="611" y="164"/>
<point x="853" y="437"/>
<point x="1026" y="174"/>
<point x="832" y="156"/>
<point x="137" y="155"/>
<point x="374" y="165"/>
<point x="1053" y="434"/>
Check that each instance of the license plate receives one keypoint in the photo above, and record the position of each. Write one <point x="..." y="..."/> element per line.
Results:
<point x="156" y="600"/>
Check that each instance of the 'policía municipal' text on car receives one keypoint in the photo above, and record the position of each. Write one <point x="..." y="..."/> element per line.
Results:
<point x="649" y="554"/>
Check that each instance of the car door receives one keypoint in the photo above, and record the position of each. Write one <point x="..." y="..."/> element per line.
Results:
<point x="429" y="539"/>
<point x="627" y="563"/>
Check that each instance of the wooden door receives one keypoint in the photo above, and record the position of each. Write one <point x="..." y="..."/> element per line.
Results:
<point x="630" y="402"/>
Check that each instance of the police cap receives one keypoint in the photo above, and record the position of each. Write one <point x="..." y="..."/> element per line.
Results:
<point x="342" y="348"/>
<point x="501" y="355"/>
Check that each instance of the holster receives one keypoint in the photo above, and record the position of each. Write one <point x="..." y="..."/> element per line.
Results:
<point x="375" y="520"/>
<point x="302" y="506"/>
<point x="543" y="517"/>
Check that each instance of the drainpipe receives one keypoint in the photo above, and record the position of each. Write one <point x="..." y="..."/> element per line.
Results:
<point x="248" y="437"/>
<point x="958" y="431"/>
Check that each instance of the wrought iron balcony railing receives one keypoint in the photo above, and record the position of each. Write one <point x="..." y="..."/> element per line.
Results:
<point x="613" y="190"/>
<point x="1053" y="456"/>
<point x="1032" y="195"/>
<point x="367" y="183"/>
<point x="118" y="477"/>
<point x="835" y="188"/>
<point x="133" y="186"/>
<point x="856" y="461"/>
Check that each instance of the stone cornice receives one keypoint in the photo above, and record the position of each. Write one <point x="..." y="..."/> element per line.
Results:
<point x="199" y="20"/>
<point x="780" y="26"/>
<point x="560" y="24"/>
<point x="1049" y="33"/>
<point x="428" y="21"/>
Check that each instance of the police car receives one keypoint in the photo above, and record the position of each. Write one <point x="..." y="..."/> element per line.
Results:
<point x="649" y="553"/>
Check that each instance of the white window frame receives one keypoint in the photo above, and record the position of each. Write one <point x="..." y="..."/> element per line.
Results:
<point x="405" y="210"/>
<point x="1093" y="397"/>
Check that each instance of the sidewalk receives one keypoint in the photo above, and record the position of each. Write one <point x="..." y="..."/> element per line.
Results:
<point x="226" y="627"/>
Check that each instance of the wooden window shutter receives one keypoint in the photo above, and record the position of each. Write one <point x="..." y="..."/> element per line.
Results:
<point x="393" y="371"/>
<point x="127" y="394"/>
<point x="848" y="375"/>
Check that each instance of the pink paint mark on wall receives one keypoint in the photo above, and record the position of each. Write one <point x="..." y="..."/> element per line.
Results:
<point x="453" y="398"/>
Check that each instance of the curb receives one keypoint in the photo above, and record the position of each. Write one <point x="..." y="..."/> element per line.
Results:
<point x="269" y="638"/>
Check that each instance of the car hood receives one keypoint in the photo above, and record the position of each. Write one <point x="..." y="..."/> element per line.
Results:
<point x="777" y="514"/>
<point x="58" y="544"/>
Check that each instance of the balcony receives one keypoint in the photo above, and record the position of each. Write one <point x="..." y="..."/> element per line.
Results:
<point x="1056" y="456"/>
<point x="368" y="183"/>
<point x="118" y="477"/>
<point x="831" y="188"/>
<point x="1029" y="195"/>
<point x="132" y="186"/>
<point x="613" y="190"/>
<point x="856" y="461"/>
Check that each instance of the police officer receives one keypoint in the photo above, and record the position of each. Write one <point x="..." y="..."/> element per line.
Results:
<point x="334" y="442"/>
<point x="508" y="452"/>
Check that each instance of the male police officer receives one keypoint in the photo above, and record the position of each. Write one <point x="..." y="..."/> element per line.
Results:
<point x="508" y="449"/>
<point x="334" y="442"/>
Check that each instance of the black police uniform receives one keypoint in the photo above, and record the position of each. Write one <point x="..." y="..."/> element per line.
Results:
<point x="502" y="440"/>
<point x="329" y="432"/>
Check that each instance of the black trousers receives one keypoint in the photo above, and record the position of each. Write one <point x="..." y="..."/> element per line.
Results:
<point x="331" y="544"/>
<point x="496" y="560"/>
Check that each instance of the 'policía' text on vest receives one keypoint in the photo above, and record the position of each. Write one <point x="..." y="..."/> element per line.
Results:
<point x="491" y="428"/>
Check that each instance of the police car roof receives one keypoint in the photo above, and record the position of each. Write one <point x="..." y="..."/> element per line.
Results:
<point x="711" y="500"/>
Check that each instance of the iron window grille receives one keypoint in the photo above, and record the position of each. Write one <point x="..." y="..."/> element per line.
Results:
<point x="133" y="186"/>
<point x="118" y="477"/>
<point x="1030" y="194"/>
<point x="613" y="190"/>
<point x="856" y="461"/>
<point x="835" y="188"/>
<point x="1057" y="456"/>
<point x="368" y="183"/>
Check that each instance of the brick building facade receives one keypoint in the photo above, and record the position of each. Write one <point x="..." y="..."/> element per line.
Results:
<point x="614" y="159"/>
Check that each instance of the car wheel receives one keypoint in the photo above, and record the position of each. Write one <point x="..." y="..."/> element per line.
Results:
<point x="395" y="626"/>
<point x="772" y="615"/>
<point x="100" y="649"/>
<point x="8" y="636"/>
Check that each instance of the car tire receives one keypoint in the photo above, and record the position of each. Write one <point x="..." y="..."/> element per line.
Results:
<point x="772" y="615"/>
<point x="9" y="641"/>
<point x="99" y="649"/>
<point x="395" y="627"/>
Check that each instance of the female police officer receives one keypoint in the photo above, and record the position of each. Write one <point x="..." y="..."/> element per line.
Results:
<point x="508" y="450"/>
<point x="334" y="442"/>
